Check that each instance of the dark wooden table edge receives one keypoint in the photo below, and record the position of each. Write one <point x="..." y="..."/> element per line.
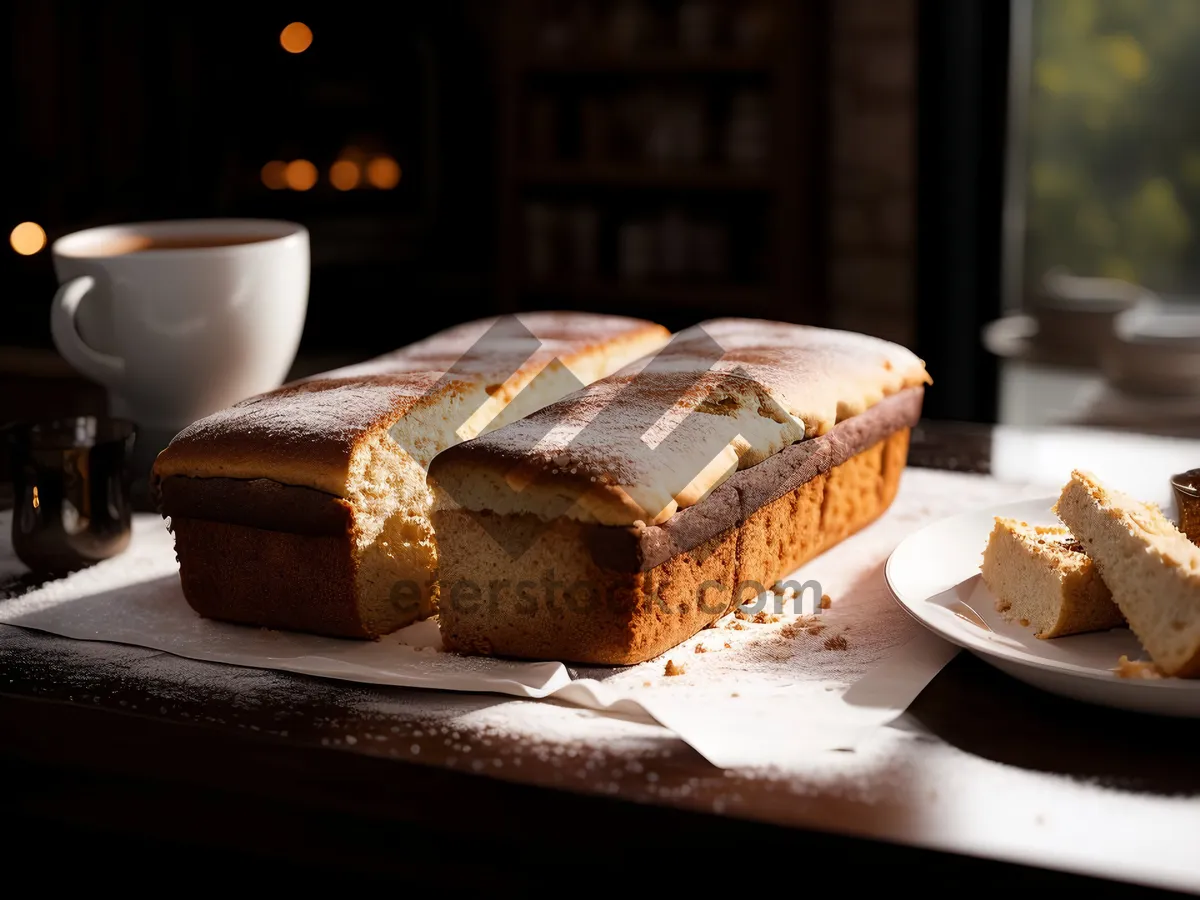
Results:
<point x="133" y="788"/>
<point x="384" y="819"/>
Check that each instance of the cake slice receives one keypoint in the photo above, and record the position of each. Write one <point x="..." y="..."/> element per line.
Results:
<point x="1042" y="578"/>
<point x="1150" y="566"/>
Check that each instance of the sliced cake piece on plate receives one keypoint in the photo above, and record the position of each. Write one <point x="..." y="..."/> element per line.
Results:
<point x="1042" y="579"/>
<point x="1150" y="566"/>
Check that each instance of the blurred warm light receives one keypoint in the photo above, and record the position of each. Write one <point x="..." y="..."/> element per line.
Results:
<point x="28" y="238"/>
<point x="274" y="175"/>
<point x="296" y="38"/>
<point x="345" y="174"/>
<point x="300" y="174"/>
<point x="36" y="502"/>
<point x="383" y="172"/>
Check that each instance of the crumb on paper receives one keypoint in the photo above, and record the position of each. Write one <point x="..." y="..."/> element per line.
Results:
<point x="737" y="626"/>
<point x="727" y="645"/>
<point x="836" y="642"/>
<point x="765" y="618"/>
<point x="646" y="684"/>
<point x="672" y="669"/>
<point x="796" y="628"/>
<point x="1024" y="623"/>
<point x="735" y="694"/>
<point x="815" y="629"/>
<point x="738" y="614"/>
<point x="700" y="648"/>
<point x="826" y="601"/>
<point x="1136" y="668"/>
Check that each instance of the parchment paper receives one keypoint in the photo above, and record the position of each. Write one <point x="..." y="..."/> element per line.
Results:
<point x="751" y="693"/>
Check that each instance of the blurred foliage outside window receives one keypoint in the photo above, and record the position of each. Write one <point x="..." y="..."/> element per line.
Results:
<point x="1113" y="147"/>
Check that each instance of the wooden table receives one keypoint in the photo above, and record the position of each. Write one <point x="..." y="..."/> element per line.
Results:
<point x="136" y="764"/>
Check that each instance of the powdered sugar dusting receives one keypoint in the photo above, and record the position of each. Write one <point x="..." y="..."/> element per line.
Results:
<point x="327" y="413"/>
<point x="556" y="334"/>
<point x="333" y="411"/>
<point x="749" y="664"/>
<point x="764" y="386"/>
<point x="815" y="373"/>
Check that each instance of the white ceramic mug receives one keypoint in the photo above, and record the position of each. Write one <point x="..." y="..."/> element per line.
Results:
<point x="179" y="319"/>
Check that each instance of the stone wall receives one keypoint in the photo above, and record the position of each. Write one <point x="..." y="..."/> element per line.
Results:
<point x="873" y="164"/>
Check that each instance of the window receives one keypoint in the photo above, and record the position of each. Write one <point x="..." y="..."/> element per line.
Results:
<point x="1112" y="142"/>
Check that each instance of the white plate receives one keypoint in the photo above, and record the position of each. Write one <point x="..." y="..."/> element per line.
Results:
<point x="934" y="575"/>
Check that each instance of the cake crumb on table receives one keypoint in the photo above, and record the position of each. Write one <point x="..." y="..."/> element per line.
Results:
<point x="836" y="642"/>
<point x="765" y="618"/>
<point x="1136" y="668"/>
<point x="826" y="601"/>
<point x="672" y="669"/>
<point x="700" y="648"/>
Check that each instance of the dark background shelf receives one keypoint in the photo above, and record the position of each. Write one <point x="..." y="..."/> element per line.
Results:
<point x="652" y="137"/>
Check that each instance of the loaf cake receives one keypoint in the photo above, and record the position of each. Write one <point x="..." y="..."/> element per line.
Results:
<point x="1042" y="579"/>
<point x="306" y="508"/>
<point x="613" y="524"/>
<point x="1150" y="566"/>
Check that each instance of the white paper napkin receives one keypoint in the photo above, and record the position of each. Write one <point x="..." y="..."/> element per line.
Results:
<point x="751" y="693"/>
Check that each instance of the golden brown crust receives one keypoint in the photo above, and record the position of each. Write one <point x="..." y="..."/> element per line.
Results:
<point x="555" y="602"/>
<point x="305" y="508"/>
<point x="305" y="433"/>
<point x="272" y="570"/>
<point x="571" y="337"/>
<point x="302" y="434"/>
<point x="258" y="503"/>
<point x="1190" y="668"/>
<point x="660" y="435"/>
<point x="253" y="576"/>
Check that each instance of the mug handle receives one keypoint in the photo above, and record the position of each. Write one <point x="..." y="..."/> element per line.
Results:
<point x="101" y="367"/>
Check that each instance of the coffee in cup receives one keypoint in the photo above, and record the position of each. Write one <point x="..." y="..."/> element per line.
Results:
<point x="179" y="319"/>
